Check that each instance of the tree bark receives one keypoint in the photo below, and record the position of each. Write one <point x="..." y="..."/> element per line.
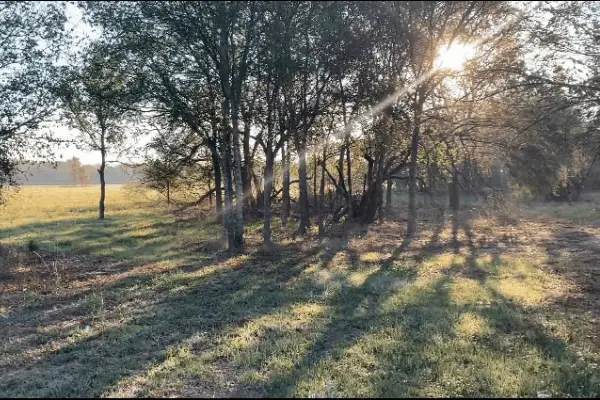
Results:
<point x="268" y="188"/>
<point x="239" y="189"/>
<point x="315" y="169"/>
<point x="210" y="200"/>
<point x="101" y="171"/>
<point x="411" y="227"/>
<point x="102" y="184"/>
<point x="218" y="185"/>
<point x="349" y="178"/>
<point x="227" y="214"/>
<point x="303" y="188"/>
<point x="230" y="108"/>
<point x="388" y="197"/>
<point x="247" y="167"/>
<point x="168" y="194"/>
<point x="453" y="191"/>
<point x="321" y="203"/>
<point x="285" y="160"/>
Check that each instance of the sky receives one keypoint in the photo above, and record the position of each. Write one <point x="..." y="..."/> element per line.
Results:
<point x="82" y="32"/>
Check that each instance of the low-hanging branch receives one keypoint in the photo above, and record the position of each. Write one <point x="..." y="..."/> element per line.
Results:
<point x="277" y="192"/>
<point x="196" y="202"/>
<point x="341" y="189"/>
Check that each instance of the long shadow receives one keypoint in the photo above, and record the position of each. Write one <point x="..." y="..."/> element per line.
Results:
<point x="228" y="296"/>
<point x="405" y="366"/>
<point x="344" y="328"/>
<point x="575" y="254"/>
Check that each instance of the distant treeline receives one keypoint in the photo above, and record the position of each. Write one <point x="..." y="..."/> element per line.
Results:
<point x="62" y="173"/>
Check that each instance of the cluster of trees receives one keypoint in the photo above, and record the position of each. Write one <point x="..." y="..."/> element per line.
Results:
<point x="347" y="97"/>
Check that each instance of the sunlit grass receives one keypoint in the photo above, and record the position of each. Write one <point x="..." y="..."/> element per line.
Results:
<point x="340" y="319"/>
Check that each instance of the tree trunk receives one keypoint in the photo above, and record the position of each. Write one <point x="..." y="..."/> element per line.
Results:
<point x="228" y="209"/>
<point x="388" y="197"/>
<point x="247" y="168"/>
<point x="453" y="191"/>
<point x="102" y="185"/>
<point x="230" y="107"/>
<point x="267" y="190"/>
<point x="321" y="204"/>
<point x="303" y="186"/>
<point x="380" y="202"/>
<point x="411" y="227"/>
<point x="168" y="194"/>
<point x="101" y="173"/>
<point x="315" y="169"/>
<point x="285" y="160"/>
<point x="349" y="178"/>
<point x="239" y="190"/>
<point x="210" y="201"/>
<point x="218" y="186"/>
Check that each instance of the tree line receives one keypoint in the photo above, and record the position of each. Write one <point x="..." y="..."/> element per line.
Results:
<point x="324" y="107"/>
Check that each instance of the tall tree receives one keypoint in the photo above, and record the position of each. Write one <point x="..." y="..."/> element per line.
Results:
<point x="97" y="99"/>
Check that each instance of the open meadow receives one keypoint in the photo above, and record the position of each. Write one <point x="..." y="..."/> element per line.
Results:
<point x="145" y="303"/>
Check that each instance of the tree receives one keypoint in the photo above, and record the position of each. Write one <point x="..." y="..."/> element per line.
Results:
<point x="76" y="171"/>
<point x="30" y="43"/>
<point x="97" y="99"/>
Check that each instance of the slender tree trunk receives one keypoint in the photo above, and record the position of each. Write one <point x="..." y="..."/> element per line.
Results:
<point x="218" y="186"/>
<point x="230" y="122"/>
<point x="349" y="178"/>
<point x="258" y="185"/>
<point x="267" y="191"/>
<point x="168" y="194"/>
<point x="380" y="203"/>
<point x="321" y="203"/>
<point x="285" y="162"/>
<point x="228" y="222"/>
<point x="247" y="168"/>
<point x="453" y="191"/>
<point x="388" y="197"/>
<point x="102" y="180"/>
<point x="102" y="186"/>
<point x="411" y="227"/>
<point x="315" y="169"/>
<point x="239" y="189"/>
<point x="210" y="200"/>
<point x="303" y="187"/>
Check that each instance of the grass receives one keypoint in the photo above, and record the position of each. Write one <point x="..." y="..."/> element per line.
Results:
<point x="146" y="308"/>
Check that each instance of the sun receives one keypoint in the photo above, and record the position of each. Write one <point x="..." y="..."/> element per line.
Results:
<point x="454" y="56"/>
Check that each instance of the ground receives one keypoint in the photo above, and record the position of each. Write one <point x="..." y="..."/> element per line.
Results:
<point x="146" y="304"/>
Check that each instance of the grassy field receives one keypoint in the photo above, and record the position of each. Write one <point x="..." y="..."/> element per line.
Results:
<point x="145" y="304"/>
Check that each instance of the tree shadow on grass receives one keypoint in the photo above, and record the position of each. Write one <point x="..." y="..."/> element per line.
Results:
<point x="442" y="347"/>
<point x="182" y="306"/>
<point x="575" y="254"/>
<point x="386" y="333"/>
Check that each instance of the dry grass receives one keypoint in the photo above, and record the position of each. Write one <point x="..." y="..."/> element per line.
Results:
<point x="145" y="307"/>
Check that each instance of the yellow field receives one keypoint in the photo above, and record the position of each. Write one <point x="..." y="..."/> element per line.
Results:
<point x="52" y="203"/>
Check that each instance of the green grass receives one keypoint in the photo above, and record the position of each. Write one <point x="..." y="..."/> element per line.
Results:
<point x="362" y="316"/>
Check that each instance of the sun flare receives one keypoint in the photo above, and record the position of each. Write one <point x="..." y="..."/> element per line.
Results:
<point x="454" y="56"/>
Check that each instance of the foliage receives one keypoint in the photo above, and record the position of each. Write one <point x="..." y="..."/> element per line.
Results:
<point x="31" y="38"/>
